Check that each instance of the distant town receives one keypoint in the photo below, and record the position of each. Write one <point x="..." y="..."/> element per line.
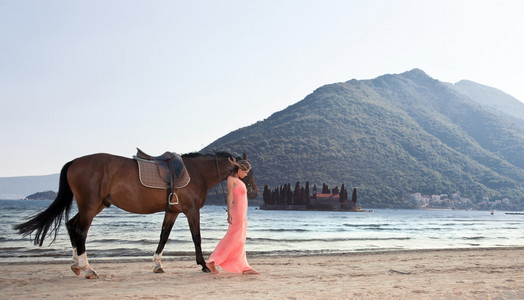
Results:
<point x="456" y="201"/>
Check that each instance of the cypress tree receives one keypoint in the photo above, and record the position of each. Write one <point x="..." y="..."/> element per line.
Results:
<point x="296" y="194"/>
<point x="306" y="193"/>
<point x="266" y="195"/>
<point x="343" y="196"/>
<point x="336" y="191"/>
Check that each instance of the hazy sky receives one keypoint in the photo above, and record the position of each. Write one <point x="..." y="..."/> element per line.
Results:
<point x="80" y="77"/>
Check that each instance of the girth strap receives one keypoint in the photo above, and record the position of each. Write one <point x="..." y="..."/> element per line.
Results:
<point x="172" y="174"/>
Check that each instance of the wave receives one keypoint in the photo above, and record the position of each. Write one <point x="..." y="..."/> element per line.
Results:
<point x="280" y="240"/>
<point x="280" y="230"/>
<point x="370" y="225"/>
<point x="474" y="238"/>
<point x="140" y="242"/>
<point x="387" y="227"/>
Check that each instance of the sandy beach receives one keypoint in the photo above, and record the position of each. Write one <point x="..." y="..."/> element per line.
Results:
<point x="496" y="273"/>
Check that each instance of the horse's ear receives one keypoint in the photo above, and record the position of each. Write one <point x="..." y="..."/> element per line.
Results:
<point x="244" y="156"/>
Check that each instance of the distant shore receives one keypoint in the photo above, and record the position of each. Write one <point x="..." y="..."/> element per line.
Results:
<point x="419" y="274"/>
<point x="305" y="208"/>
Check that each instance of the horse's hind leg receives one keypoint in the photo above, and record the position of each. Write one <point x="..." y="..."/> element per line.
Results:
<point x="72" y="236"/>
<point x="193" y="218"/>
<point x="78" y="227"/>
<point x="167" y="225"/>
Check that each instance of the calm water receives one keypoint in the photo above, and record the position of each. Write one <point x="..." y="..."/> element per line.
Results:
<point x="118" y="234"/>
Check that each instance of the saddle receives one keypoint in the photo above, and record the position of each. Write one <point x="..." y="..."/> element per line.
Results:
<point x="170" y="169"/>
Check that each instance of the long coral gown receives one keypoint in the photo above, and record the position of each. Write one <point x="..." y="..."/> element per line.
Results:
<point x="230" y="253"/>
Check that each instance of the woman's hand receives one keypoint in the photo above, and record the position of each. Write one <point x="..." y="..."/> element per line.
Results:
<point x="229" y="218"/>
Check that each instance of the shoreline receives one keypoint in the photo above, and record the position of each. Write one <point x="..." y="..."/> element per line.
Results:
<point x="191" y="256"/>
<point x="464" y="273"/>
<point x="290" y="254"/>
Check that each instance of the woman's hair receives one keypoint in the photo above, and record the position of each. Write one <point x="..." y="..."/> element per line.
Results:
<point x="243" y="165"/>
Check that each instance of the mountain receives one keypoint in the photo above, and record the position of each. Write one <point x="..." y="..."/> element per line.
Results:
<point x="493" y="99"/>
<point x="391" y="136"/>
<point x="13" y="188"/>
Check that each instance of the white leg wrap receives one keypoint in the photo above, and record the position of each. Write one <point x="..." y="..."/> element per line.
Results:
<point x="81" y="264"/>
<point x="157" y="259"/>
<point x="82" y="261"/>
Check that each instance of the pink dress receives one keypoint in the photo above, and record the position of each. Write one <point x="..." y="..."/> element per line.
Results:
<point x="230" y="254"/>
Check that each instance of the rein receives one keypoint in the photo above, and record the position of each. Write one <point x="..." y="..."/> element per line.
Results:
<point x="219" y="176"/>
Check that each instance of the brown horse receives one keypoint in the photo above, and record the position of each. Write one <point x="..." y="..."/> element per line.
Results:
<point x="100" y="180"/>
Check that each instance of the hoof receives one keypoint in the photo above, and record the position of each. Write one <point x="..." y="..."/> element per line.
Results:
<point x="159" y="270"/>
<point x="205" y="269"/>
<point x="92" y="275"/>
<point x="76" y="269"/>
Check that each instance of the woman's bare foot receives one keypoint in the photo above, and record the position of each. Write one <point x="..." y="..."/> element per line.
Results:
<point x="250" y="272"/>
<point x="211" y="267"/>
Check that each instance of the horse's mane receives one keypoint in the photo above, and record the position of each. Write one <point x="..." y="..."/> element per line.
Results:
<point x="199" y="154"/>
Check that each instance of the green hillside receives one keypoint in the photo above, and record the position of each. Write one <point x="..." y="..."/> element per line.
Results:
<point x="387" y="137"/>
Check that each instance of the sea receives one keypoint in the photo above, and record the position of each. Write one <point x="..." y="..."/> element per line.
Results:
<point x="117" y="234"/>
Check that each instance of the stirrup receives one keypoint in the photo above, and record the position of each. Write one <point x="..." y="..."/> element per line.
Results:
<point x="171" y="197"/>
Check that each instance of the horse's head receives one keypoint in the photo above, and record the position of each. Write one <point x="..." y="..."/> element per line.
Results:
<point x="249" y="181"/>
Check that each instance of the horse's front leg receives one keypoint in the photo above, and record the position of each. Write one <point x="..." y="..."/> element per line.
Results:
<point x="193" y="218"/>
<point x="167" y="225"/>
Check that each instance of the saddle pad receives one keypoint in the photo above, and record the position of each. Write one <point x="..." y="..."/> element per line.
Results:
<point x="149" y="175"/>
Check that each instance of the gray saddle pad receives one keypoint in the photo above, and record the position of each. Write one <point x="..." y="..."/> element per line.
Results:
<point x="150" y="175"/>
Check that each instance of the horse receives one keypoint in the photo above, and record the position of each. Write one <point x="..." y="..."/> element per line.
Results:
<point x="100" y="180"/>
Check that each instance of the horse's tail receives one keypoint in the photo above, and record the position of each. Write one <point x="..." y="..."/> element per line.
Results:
<point x="50" y="218"/>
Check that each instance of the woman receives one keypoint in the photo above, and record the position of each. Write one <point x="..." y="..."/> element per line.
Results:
<point x="230" y="254"/>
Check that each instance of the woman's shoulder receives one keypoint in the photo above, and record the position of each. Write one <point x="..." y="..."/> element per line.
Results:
<point x="233" y="180"/>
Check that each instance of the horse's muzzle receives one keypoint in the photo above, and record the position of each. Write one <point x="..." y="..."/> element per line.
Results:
<point x="252" y="191"/>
